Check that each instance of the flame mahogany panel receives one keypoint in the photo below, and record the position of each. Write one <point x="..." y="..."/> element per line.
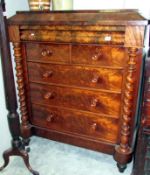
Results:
<point x="87" y="100"/>
<point x="99" y="78"/>
<point x="73" y="36"/>
<point x="99" y="55"/>
<point x="87" y="124"/>
<point x="48" y="52"/>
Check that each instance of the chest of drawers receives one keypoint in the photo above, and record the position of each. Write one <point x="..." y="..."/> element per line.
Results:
<point x="78" y="76"/>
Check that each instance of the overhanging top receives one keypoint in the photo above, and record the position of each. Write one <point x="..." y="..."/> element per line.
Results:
<point x="80" y="17"/>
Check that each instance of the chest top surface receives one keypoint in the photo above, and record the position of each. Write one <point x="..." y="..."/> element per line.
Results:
<point x="118" y="27"/>
<point x="101" y="17"/>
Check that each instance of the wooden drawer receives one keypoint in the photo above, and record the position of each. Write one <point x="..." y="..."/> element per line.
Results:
<point x="48" y="52"/>
<point x="100" y="78"/>
<point x="95" y="37"/>
<point x="101" y="102"/>
<point x="95" y="126"/>
<point x="99" y="55"/>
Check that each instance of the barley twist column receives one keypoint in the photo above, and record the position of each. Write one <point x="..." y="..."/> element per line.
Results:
<point x="25" y="128"/>
<point x="123" y="151"/>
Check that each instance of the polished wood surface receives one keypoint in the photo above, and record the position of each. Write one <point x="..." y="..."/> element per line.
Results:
<point x="100" y="17"/>
<point x="99" y="55"/>
<point x="21" y="89"/>
<point x="81" y="73"/>
<point x="75" y="122"/>
<point x="127" y="106"/>
<point x="48" y="52"/>
<point x="98" y="78"/>
<point x="74" y="36"/>
<point x="101" y="102"/>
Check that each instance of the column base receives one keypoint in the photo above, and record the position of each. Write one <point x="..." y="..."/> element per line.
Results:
<point x="122" y="158"/>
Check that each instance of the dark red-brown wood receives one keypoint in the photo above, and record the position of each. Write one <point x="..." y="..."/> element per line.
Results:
<point x="78" y="77"/>
<point x="18" y="145"/>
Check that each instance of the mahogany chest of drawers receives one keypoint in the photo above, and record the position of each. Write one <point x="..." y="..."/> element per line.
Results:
<point x="78" y="76"/>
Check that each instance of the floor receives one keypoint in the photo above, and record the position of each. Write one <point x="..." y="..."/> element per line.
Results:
<point x="53" y="158"/>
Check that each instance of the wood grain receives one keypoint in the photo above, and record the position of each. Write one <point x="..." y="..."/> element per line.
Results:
<point x="134" y="36"/>
<point x="95" y="126"/>
<point x="14" y="34"/>
<point x="99" y="55"/>
<point x="99" y="78"/>
<point x="103" y="103"/>
<point x="73" y="28"/>
<point x="73" y="36"/>
<point x="48" y="52"/>
<point x="128" y="102"/>
<point x="82" y="18"/>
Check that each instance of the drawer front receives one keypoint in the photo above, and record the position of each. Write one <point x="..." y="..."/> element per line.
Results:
<point x="101" y="102"/>
<point x="108" y="79"/>
<point x="96" y="37"/>
<point x="99" y="55"/>
<point x="48" y="52"/>
<point x="94" y="126"/>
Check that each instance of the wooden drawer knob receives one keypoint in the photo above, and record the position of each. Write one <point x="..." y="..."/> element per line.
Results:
<point x="50" y="117"/>
<point x="94" y="102"/>
<point x="47" y="74"/>
<point x="49" y="95"/>
<point x="46" y="52"/>
<point x="96" y="56"/>
<point x="108" y="38"/>
<point x="32" y="35"/>
<point x="93" y="126"/>
<point x="95" y="79"/>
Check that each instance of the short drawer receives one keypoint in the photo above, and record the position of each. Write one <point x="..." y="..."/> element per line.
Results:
<point x="95" y="126"/>
<point x="100" y="78"/>
<point x="48" y="52"/>
<point x="99" y="55"/>
<point x="87" y="100"/>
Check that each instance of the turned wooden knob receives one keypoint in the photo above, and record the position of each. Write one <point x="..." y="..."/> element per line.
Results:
<point x="108" y="38"/>
<point x="32" y="35"/>
<point x="143" y="121"/>
<point x="96" y="56"/>
<point x="49" y="95"/>
<point x="95" y="79"/>
<point x="94" y="126"/>
<point x="50" y="117"/>
<point x="47" y="74"/>
<point x="94" y="102"/>
<point x="46" y="52"/>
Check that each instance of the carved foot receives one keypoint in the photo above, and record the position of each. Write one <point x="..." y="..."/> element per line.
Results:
<point x="25" y="157"/>
<point x="121" y="167"/>
<point x="17" y="152"/>
<point x="6" y="155"/>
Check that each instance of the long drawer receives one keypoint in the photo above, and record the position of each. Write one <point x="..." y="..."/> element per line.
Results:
<point x="105" y="37"/>
<point x="87" y="100"/>
<point x="94" y="126"/>
<point x="100" y="78"/>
